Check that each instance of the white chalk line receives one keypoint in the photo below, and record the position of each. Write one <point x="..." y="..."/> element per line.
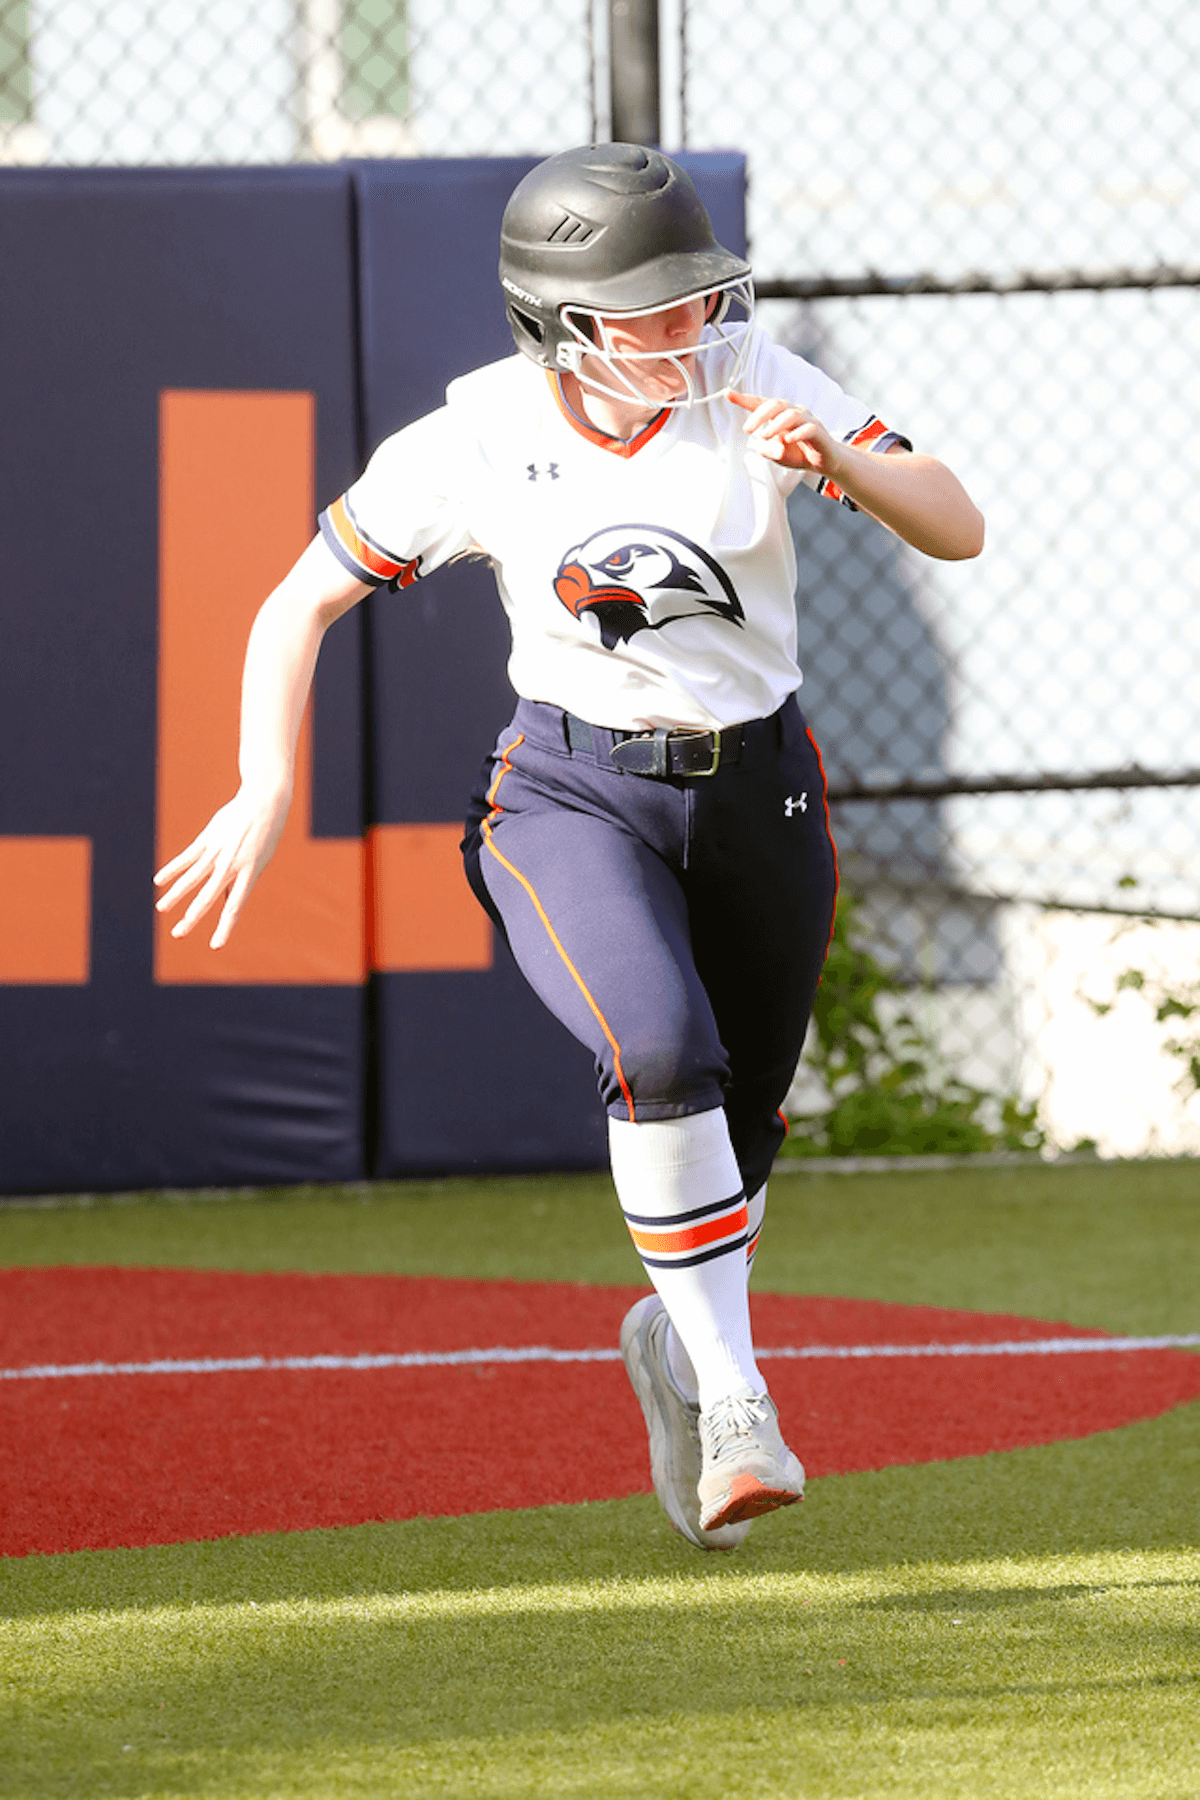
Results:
<point x="542" y="1353"/>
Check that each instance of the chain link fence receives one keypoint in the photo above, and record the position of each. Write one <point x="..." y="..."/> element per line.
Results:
<point x="1041" y="160"/>
<point x="983" y="219"/>
<point x="216" y="81"/>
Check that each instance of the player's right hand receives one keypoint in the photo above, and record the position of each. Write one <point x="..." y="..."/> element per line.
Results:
<point x="225" y="860"/>
<point x="790" y="435"/>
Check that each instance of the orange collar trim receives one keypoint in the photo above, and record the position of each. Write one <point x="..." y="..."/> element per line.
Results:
<point x="593" y="434"/>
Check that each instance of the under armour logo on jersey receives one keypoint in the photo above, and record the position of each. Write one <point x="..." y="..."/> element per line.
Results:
<point x="551" y="470"/>
<point x="641" y="577"/>
<point x="791" y="805"/>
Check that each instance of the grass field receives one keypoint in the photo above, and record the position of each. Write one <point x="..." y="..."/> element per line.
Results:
<point x="1025" y="1624"/>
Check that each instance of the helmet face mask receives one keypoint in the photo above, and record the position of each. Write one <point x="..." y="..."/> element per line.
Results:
<point x="590" y="353"/>
<point x="612" y="233"/>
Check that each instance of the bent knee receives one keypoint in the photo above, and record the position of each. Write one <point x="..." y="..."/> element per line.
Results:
<point x="663" y="1073"/>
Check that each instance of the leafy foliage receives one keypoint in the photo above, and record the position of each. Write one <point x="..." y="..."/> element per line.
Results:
<point x="890" y="1094"/>
<point x="1168" y="1000"/>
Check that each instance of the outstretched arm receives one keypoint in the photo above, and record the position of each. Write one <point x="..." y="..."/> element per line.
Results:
<point x="916" y="496"/>
<point x="237" y="843"/>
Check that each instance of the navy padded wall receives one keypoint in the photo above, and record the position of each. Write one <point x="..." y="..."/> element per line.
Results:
<point x="113" y="286"/>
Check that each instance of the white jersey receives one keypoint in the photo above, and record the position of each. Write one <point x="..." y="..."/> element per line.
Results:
<point x="647" y="583"/>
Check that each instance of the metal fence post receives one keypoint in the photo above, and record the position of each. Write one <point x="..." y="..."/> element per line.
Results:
<point x="633" y="58"/>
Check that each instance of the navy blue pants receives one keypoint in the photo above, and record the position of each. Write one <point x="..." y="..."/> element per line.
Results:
<point x="676" y="926"/>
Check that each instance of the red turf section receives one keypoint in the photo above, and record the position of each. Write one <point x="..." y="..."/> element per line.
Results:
<point x="109" y="1460"/>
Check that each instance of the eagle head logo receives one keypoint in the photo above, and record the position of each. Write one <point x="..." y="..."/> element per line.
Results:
<point x="632" y="578"/>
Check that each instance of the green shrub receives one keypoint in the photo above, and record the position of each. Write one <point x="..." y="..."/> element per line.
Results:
<point x="889" y="1093"/>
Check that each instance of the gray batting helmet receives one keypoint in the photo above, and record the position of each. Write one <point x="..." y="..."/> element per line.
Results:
<point x="608" y="229"/>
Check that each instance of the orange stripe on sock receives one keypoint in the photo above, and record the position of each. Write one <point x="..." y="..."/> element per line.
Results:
<point x="694" y="1237"/>
<point x="580" y="983"/>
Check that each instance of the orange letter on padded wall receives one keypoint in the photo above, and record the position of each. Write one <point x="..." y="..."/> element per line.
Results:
<point x="236" y="509"/>
<point x="45" y="911"/>
<point x="422" y="914"/>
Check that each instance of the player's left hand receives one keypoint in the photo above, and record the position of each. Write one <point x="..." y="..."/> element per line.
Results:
<point x="790" y="435"/>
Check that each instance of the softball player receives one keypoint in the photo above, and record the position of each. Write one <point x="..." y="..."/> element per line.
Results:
<point x="650" y="833"/>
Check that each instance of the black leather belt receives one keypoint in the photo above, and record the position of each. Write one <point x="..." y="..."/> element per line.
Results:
<point x="662" y="752"/>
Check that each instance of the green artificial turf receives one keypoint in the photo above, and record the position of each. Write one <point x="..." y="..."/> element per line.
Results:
<point x="1019" y="1625"/>
<point x="1115" y="1244"/>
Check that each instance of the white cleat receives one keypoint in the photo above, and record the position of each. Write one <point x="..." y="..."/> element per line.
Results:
<point x="747" y="1467"/>
<point x="673" y="1424"/>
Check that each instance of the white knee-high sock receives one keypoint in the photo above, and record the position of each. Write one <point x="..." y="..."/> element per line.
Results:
<point x="756" y="1208"/>
<point x="680" y="1189"/>
<point x="678" y="1358"/>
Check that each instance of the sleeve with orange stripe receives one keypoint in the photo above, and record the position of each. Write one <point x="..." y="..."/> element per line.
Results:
<point x="405" y="515"/>
<point x="874" y="436"/>
<point x="355" y="550"/>
<point x="786" y="376"/>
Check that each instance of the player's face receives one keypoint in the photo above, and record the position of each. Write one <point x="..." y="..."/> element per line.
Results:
<point x="655" y="351"/>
